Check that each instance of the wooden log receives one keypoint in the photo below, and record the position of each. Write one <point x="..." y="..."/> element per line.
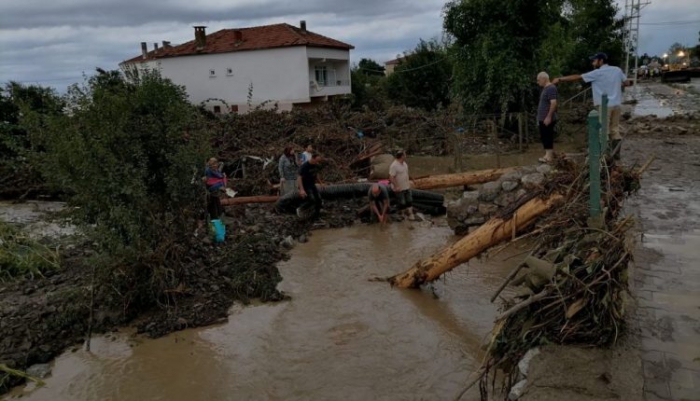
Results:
<point x="490" y="234"/>
<point x="430" y="182"/>
<point x="460" y="179"/>
<point x="243" y="200"/>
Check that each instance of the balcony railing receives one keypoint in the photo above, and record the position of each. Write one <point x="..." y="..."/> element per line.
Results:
<point x="326" y="84"/>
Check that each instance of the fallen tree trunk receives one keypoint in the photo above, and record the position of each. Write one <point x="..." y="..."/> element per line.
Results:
<point x="430" y="182"/>
<point x="248" y="199"/>
<point x="490" y="234"/>
<point x="460" y="179"/>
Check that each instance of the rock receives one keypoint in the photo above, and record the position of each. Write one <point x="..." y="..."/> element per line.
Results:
<point x="509" y="185"/>
<point x="505" y="199"/>
<point x="40" y="370"/>
<point x="517" y="391"/>
<point x="420" y="217"/>
<point x="528" y="170"/>
<point x="512" y="176"/>
<point x="474" y="221"/>
<point x="471" y="196"/>
<point x="545" y="169"/>
<point x="487" y="209"/>
<point x="524" y="364"/>
<point x="303" y="239"/>
<point x="682" y="130"/>
<point x="288" y="243"/>
<point x="533" y="180"/>
<point x="520" y="194"/>
<point x="488" y="195"/>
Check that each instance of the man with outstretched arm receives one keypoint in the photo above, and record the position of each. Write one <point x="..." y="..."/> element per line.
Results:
<point x="608" y="80"/>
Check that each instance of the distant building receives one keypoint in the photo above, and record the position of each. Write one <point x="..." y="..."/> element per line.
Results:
<point x="390" y="65"/>
<point x="284" y="65"/>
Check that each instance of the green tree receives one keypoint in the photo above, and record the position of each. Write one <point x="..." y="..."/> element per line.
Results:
<point x="370" y="67"/>
<point x="422" y="78"/>
<point x="17" y="153"/>
<point x="131" y="152"/>
<point x="496" y="43"/>
<point x="594" y="27"/>
<point x="368" y="85"/>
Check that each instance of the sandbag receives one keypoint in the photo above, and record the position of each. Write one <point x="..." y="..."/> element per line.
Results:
<point x="379" y="167"/>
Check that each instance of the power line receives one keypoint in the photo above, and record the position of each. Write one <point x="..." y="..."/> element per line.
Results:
<point x="686" y="22"/>
<point x="45" y="80"/>
<point x="408" y="70"/>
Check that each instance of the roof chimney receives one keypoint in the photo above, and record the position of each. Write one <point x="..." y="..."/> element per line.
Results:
<point x="200" y="37"/>
<point x="155" y="47"/>
<point x="144" y="50"/>
<point x="302" y="25"/>
<point x="238" y="36"/>
<point x="166" y="44"/>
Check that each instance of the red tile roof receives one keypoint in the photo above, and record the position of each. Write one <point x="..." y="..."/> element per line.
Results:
<point x="396" y="61"/>
<point x="254" y="38"/>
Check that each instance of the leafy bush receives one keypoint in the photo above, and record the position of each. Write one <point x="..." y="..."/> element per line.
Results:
<point x="131" y="150"/>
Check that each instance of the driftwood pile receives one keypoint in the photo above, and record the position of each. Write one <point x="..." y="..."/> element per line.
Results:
<point x="571" y="289"/>
<point x="250" y="145"/>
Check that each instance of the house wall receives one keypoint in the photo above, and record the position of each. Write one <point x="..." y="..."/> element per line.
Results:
<point x="277" y="75"/>
<point x="280" y="77"/>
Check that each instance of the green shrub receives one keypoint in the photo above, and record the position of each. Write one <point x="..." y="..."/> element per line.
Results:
<point x="130" y="150"/>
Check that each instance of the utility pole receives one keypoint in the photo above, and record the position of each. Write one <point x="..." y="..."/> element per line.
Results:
<point x="633" y="12"/>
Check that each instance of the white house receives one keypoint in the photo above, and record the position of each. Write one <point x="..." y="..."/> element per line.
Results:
<point x="284" y="65"/>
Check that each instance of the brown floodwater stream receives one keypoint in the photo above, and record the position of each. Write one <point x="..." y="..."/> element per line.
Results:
<point x="341" y="337"/>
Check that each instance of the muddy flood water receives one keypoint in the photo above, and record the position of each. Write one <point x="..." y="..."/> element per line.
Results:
<point x="341" y="337"/>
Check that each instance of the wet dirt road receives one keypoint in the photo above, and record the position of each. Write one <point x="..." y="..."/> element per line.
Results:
<point x="341" y="337"/>
<point x="667" y="273"/>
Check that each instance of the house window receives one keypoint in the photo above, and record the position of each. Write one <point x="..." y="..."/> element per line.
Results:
<point x="321" y="75"/>
<point x="234" y="108"/>
<point x="212" y="73"/>
<point x="217" y="109"/>
<point x="229" y="71"/>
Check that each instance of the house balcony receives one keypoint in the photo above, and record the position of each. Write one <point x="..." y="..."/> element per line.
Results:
<point x="329" y="88"/>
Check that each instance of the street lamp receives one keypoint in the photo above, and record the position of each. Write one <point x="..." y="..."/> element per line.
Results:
<point x="665" y="56"/>
<point x="681" y="53"/>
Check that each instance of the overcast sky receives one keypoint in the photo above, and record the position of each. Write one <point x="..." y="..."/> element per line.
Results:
<point x="55" y="42"/>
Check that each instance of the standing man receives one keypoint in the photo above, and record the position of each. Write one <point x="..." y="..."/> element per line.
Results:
<point x="608" y="80"/>
<point x="306" y="156"/>
<point x="288" y="169"/>
<point x="547" y="115"/>
<point x="379" y="202"/>
<point x="398" y="174"/>
<point x="306" y="182"/>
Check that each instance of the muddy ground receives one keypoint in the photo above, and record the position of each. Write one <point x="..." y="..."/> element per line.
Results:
<point x="42" y="316"/>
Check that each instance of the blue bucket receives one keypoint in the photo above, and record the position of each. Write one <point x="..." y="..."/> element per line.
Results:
<point x="219" y="230"/>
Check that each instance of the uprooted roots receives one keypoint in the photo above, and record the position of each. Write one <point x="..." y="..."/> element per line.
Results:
<point x="581" y="300"/>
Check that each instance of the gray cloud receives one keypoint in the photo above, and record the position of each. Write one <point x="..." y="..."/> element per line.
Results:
<point x="54" y="43"/>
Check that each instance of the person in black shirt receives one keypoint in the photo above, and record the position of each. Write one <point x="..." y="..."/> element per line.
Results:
<point x="307" y="183"/>
<point x="379" y="202"/>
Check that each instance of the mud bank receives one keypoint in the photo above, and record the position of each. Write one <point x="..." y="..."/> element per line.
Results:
<point x="340" y="337"/>
<point x="41" y="316"/>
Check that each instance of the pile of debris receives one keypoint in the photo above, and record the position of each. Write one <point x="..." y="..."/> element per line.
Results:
<point x="251" y="144"/>
<point x="571" y="288"/>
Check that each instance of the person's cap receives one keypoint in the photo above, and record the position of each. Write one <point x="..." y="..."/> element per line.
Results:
<point x="599" y="56"/>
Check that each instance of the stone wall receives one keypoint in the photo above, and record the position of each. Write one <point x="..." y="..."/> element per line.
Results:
<point x="478" y="205"/>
